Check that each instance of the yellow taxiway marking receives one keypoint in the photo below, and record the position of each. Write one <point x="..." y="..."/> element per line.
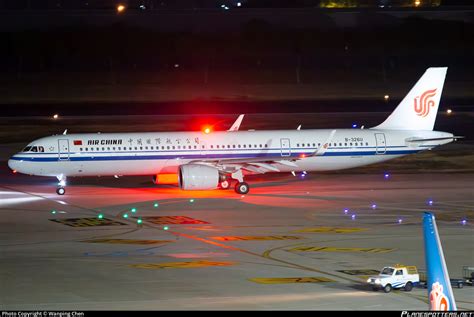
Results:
<point x="288" y="280"/>
<point x="256" y="238"/>
<point x="181" y="265"/>
<point x="334" y="249"/>
<point x="88" y="222"/>
<point x="362" y="272"/>
<point x="174" y="220"/>
<point x="127" y="241"/>
<point x="329" y="230"/>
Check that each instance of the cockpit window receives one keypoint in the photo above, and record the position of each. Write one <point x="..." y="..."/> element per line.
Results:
<point x="34" y="149"/>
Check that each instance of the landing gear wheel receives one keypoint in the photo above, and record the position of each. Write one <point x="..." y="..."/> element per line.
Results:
<point x="225" y="184"/>
<point x="242" y="188"/>
<point x="61" y="191"/>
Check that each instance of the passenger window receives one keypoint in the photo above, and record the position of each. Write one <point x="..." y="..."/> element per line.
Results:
<point x="297" y="144"/>
<point x="217" y="146"/>
<point x="87" y="149"/>
<point x="340" y="144"/>
<point x="319" y="144"/>
<point x="233" y="146"/>
<point x="238" y="146"/>
<point x="366" y="143"/>
<point x="108" y="149"/>
<point x="80" y="149"/>
<point x="245" y="145"/>
<point x="97" y="149"/>
<point x="345" y="144"/>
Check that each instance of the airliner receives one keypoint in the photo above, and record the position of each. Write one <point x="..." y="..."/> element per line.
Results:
<point x="205" y="160"/>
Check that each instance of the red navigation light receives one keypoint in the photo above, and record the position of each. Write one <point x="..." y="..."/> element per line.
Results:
<point x="302" y="155"/>
<point x="14" y="171"/>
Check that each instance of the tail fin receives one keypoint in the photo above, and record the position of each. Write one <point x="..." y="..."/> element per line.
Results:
<point x="439" y="285"/>
<point x="418" y="109"/>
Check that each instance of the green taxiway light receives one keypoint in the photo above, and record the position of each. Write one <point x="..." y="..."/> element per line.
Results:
<point x="133" y="210"/>
<point x="53" y="211"/>
<point x="165" y="228"/>
<point x="100" y="216"/>
<point x="156" y="205"/>
<point x="191" y="200"/>
<point x="125" y="215"/>
<point x="139" y="221"/>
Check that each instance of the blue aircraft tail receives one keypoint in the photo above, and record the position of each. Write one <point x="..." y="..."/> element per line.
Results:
<point x="439" y="286"/>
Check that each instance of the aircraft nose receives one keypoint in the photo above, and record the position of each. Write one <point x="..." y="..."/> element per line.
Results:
<point x="13" y="164"/>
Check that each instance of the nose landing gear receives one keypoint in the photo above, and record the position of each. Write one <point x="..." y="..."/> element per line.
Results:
<point x="61" y="190"/>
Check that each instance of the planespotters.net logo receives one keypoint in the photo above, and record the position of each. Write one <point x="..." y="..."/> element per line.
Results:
<point x="423" y="103"/>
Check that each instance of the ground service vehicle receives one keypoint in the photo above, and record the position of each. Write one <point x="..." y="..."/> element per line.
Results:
<point x="398" y="276"/>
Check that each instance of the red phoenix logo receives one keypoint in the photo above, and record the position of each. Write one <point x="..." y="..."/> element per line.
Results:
<point x="423" y="105"/>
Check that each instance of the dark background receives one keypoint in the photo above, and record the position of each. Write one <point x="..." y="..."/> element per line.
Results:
<point x="196" y="56"/>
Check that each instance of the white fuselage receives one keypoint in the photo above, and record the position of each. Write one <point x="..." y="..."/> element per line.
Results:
<point x="163" y="152"/>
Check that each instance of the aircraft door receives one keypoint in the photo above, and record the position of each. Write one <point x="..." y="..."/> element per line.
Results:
<point x="63" y="149"/>
<point x="381" y="146"/>
<point x="285" y="147"/>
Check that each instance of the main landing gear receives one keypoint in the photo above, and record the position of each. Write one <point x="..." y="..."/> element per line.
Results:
<point x="61" y="190"/>
<point x="241" y="187"/>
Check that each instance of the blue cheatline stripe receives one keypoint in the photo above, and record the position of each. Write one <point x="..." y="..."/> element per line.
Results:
<point x="198" y="156"/>
<point x="311" y="149"/>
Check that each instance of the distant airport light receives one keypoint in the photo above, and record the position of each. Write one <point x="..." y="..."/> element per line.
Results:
<point x="374" y="206"/>
<point x="239" y="4"/>
<point x="155" y="205"/>
<point x="191" y="200"/>
<point x="464" y="222"/>
<point x="120" y="8"/>
<point x="142" y="6"/>
<point x="430" y="202"/>
<point x="55" y="116"/>
<point x="176" y="65"/>
<point x="165" y="228"/>
<point x="346" y="211"/>
<point x="417" y="3"/>
<point x="303" y="175"/>
<point x="354" y="125"/>
<point x="353" y="217"/>
<point x="134" y="210"/>
<point x="386" y="175"/>
<point x="100" y="216"/>
<point x="386" y="97"/>
<point x="400" y="220"/>
<point x="207" y="130"/>
<point x="125" y="215"/>
<point x="449" y="111"/>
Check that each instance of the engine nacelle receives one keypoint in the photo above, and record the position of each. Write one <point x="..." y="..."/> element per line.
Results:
<point x="198" y="177"/>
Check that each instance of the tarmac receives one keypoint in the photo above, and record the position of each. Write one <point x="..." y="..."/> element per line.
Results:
<point x="292" y="243"/>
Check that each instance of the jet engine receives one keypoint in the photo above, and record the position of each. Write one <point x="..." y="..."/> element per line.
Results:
<point x="198" y="177"/>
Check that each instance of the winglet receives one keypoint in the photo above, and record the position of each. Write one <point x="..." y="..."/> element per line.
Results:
<point x="440" y="294"/>
<point x="322" y="149"/>
<point x="236" y="125"/>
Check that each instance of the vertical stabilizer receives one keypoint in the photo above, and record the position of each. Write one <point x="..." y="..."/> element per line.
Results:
<point x="418" y="109"/>
<point x="440" y="293"/>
